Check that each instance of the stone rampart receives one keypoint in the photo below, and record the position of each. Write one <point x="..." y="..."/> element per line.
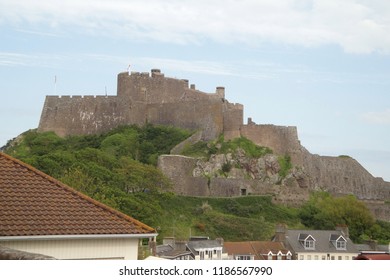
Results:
<point x="69" y="115"/>
<point x="143" y="98"/>
<point x="281" y="139"/>
<point x="159" y="89"/>
<point x="344" y="175"/>
<point x="194" y="138"/>
<point x="180" y="170"/>
<point x="191" y="115"/>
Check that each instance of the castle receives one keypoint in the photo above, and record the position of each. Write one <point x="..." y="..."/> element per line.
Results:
<point x="153" y="98"/>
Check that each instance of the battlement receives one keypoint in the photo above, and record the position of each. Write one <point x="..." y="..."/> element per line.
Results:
<point x="80" y="96"/>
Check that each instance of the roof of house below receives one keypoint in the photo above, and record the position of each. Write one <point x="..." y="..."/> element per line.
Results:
<point x="35" y="204"/>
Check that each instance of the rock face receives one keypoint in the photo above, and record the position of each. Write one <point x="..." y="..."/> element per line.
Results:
<point x="226" y="175"/>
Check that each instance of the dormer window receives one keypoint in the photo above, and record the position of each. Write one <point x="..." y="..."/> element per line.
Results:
<point x="338" y="241"/>
<point x="341" y="245"/>
<point x="308" y="241"/>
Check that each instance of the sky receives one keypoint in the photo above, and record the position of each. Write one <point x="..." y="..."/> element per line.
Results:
<point x="320" y="65"/>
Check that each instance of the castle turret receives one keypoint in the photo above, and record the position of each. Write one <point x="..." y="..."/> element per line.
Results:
<point x="156" y="73"/>
<point x="221" y="92"/>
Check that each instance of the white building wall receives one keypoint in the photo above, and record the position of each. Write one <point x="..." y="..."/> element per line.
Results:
<point x="119" y="248"/>
<point x="324" y="256"/>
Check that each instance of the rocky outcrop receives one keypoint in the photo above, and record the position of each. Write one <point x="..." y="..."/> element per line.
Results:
<point x="235" y="174"/>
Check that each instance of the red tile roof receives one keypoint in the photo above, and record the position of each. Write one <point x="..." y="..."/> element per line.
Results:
<point x="257" y="248"/>
<point x="373" y="257"/>
<point x="35" y="204"/>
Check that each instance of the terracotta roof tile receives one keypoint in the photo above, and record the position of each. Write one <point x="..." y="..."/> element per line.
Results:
<point x="33" y="203"/>
<point x="256" y="248"/>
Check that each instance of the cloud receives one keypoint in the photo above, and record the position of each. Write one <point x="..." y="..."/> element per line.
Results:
<point x="12" y="59"/>
<point x="358" y="26"/>
<point x="377" y="117"/>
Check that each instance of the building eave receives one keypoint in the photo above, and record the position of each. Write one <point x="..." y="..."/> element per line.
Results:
<point x="77" y="237"/>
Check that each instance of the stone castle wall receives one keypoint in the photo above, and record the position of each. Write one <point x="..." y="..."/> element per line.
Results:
<point x="344" y="175"/>
<point x="180" y="170"/>
<point x="281" y="139"/>
<point x="77" y="115"/>
<point x="142" y="98"/>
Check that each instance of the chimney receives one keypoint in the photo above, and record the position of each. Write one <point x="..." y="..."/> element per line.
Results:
<point x="152" y="247"/>
<point x="344" y="229"/>
<point x="280" y="233"/>
<point x="220" y="240"/>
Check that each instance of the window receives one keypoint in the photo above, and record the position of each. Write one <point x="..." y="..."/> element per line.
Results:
<point x="201" y="255"/>
<point x="301" y="257"/>
<point x="338" y="241"/>
<point x="332" y="258"/>
<point x="316" y="257"/>
<point x="308" y="257"/>
<point x="323" y="257"/>
<point x="339" y="258"/>
<point x="307" y="241"/>
<point x="309" y="244"/>
<point x="341" y="245"/>
<point x="347" y="257"/>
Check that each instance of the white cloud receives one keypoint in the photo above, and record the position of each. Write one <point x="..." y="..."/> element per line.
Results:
<point x="359" y="26"/>
<point x="377" y="117"/>
<point x="11" y="59"/>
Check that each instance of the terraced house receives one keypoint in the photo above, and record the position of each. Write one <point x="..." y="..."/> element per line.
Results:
<point x="39" y="214"/>
<point x="318" y="244"/>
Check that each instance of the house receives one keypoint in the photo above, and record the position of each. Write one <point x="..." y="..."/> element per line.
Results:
<point x="318" y="244"/>
<point x="202" y="248"/>
<point x="257" y="250"/>
<point x="39" y="214"/>
<point x="372" y="247"/>
<point x="173" y="249"/>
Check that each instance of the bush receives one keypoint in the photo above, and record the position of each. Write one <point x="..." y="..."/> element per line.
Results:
<point x="285" y="165"/>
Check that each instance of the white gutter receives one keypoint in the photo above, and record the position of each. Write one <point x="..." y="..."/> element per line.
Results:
<point x="72" y="237"/>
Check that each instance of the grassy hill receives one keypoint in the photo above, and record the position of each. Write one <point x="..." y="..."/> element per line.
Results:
<point x="119" y="169"/>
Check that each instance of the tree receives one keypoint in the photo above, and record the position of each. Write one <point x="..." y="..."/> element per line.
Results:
<point x="137" y="177"/>
<point x="323" y="211"/>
